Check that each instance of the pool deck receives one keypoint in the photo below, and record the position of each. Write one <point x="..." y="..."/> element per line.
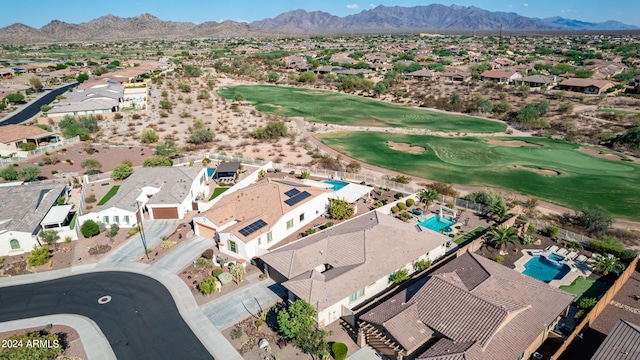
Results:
<point x="578" y="269"/>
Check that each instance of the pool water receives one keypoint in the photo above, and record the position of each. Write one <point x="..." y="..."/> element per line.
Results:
<point x="336" y="184"/>
<point x="437" y="223"/>
<point x="545" y="270"/>
<point x="210" y="172"/>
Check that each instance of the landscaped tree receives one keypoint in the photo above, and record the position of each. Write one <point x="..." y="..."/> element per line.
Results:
<point x="92" y="166"/>
<point x="9" y="174"/>
<point x="237" y="271"/>
<point x="340" y="209"/>
<point x="82" y="77"/>
<point x="208" y="286"/>
<point x="165" y="104"/>
<point x="90" y="228"/>
<point x="149" y="136"/>
<point x="29" y="173"/>
<point x="28" y="146"/>
<point x="121" y="172"/>
<point x="168" y="148"/>
<point x="354" y="166"/>
<point x="297" y="323"/>
<point x="606" y="263"/>
<point x="273" y="130"/>
<point x="157" y="161"/>
<point x="501" y="236"/>
<point x="50" y="237"/>
<point x="595" y="220"/>
<point x="428" y="196"/>
<point x="201" y="136"/>
<point x="500" y="210"/>
<point x="17" y="98"/>
<point x="36" y="84"/>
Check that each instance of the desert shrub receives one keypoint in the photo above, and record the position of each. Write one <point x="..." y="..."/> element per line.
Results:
<point x="410" y="202"/>
<point x="499" y="259"/>
<point x="215" y="273"/>
<point x="166" y="244"/>
<point x="237" y="333"/>
<point x="339" y="350"/>
<point x="401" y="206"/>
<point x="208" y="286"/>
<point x="576" y="245"/>
<point x="328" y="225"/>
<point x="395" y="210"/>
<point x="444" y="189"/>
<point x="39" y="256"/>
<point x="91" y="198"/>
<point x="311" y="231"/>
<point x="89" y="228"/>
<point x="552" y="231"/>
<point x="421" y="265"/>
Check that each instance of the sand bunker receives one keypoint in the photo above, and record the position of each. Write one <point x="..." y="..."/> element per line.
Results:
<point x="539" y="171"/>
<point x="406" y="147"/>
<point x="511" y="143"/>
<point x="598" y="154"/>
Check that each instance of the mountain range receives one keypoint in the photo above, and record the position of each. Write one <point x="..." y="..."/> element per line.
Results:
<point x="379" y="19"/>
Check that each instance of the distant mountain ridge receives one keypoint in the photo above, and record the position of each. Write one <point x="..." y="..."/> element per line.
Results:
<point x="381" y="18"/>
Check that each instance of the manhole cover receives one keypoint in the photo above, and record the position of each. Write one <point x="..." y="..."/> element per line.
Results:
<point x="103" y="300"/>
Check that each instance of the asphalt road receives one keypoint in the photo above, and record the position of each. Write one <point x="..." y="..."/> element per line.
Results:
<point x="33" y="108"/>
<point x="140" y="322"/>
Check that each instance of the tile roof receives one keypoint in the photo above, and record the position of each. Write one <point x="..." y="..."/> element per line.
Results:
<point x="174" y="184"/>
<point x="622" y="343"/>
<point x="263" y="200"/>
<point x="359" y="251"/>
<point x="26" y="205"/>
<point x="12" y="133"/>
<point x="497" y="74"/>
<point x="487" y="310"/>
<point x="586" y="83"/>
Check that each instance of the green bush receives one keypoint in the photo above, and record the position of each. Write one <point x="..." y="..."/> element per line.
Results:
<point x="628" y="255"/>
<point x="329" y="224"/>
<point x="421" y="265"/>
<point x="339" y="351"/>
<point x="401" y="206"/>
<point x="395" y="210"/>
<point x="237" y="333"/>
<point x="499" y="259"/>
<point x="576" y="245"/>
<point x="201" y="262"/>
<point x="379" y="204"/>
<point x="587" y="303"/>
<point x="91" y="198"/>
<point x="216" y="272"/>
<point x="410" y="202"/>
<point x="89" y="228"/>
<point x="532" y="229"/>
<point x="311" y="231"/>
<point x="603" y="248"/>
<point x="27" y="146"/>
<point x="39" y="256"/>
<point x="400" y="276"/>
<point x="552" y="231"/>
<point x="208" y="286"/>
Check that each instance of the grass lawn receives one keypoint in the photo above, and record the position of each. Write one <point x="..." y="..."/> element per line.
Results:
<point x="470" y="236"/>
<point x="334" y="108"/>
<point x="217" y="192"/>
<point x="72" y="224"/>
<point x="585" y="287"/>
<point x="582" y="179"/>
<point x="109" y="195"/>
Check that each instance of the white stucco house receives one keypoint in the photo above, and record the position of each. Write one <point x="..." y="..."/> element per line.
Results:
<point x="157" y="192"/>
<point x="23" y="210"/>
<point x="343" y="266"/>
<point x="252" y="220"/>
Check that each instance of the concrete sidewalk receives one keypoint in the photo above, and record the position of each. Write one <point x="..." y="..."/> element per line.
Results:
<point x="240" y="304"/>
<point x="183" y="254"/>
<point x="93" y="340"/>
<point x="153" y="232"/>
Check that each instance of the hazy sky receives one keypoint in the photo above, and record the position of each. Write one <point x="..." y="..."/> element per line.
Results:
<point x="37" y="13"/>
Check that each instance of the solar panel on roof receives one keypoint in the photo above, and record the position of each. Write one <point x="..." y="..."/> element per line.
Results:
<point x="292" y="192"/>
<point x="297" y="198"/>
<point x="253" y="227"/>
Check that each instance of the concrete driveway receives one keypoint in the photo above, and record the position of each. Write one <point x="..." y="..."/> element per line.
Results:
<point x="153" y="231"/>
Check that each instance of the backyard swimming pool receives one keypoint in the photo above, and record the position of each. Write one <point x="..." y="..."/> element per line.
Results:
<point x="336" y="184"/>
<point x="437" y="223"/>
<point x="546" y="269"/>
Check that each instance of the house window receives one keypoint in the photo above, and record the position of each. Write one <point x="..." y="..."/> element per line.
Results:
<point x="269" y="237"/>
<point x="260" y="240"/>
<point x="302" y="217"/>
<point x="290" y="224"/>
<point x="356" y="295"/>
<point x="14" y="244"/>
<point x="232" y="246"/>
<point x="126" y="219"/>
<point x="105" y="219"/>
<point x="116" y="219"/>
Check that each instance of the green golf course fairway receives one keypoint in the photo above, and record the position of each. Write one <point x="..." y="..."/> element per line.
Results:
<point x="333" y="108"/>
<point x="582" y="179"/>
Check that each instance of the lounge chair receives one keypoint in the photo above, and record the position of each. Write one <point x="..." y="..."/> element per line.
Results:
<point x="582" y="258"/>
<point x="562" y="251"/>
<point x="571" y="255"/>
<point x="553" y="248"/>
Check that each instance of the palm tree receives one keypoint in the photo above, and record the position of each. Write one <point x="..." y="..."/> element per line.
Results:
<point x="500" y="210"/>
<point x="607" y="263"/>
<point x="501" y="236"/>
<point x="427" y="196"/>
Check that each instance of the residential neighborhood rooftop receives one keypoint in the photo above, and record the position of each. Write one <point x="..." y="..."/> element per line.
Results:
<point x="22" y="207"/>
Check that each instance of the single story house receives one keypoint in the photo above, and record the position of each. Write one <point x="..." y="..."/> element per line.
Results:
<point x="345" y="265"/>
<point x="622" y="343"/>
<point x="456" y="76"/>
<point x="422" y="74"/>
<point x="11" y="136"/>
<point x="105" y="98"/>
<point x="23" y="207"/>
<point x="500" y="76"/>
<point x="470" y="308"/>
<point x="252" y="220"/>
<point x="160" y="192"/>
<point x="536" y="81"/>
<point x="587" y="86"/>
